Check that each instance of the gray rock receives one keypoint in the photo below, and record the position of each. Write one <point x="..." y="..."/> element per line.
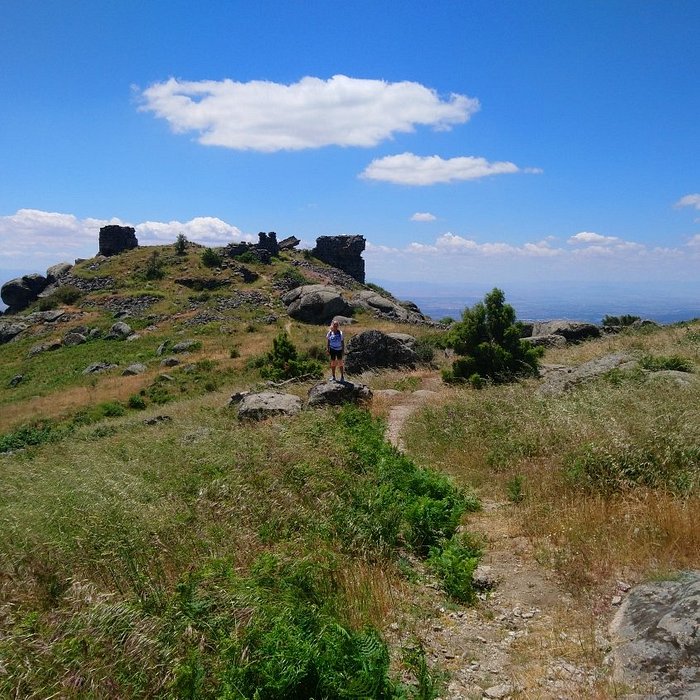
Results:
<point x="8" y="330"/>
<point x="573" y="331"/>
<point x="374" y="349"/>
<point x="45" y="347"/>
<point x="682" y="379"/>
<point x="97" y="367"/>
<point x="160" y="350"/>
<point x="22" y="291"/>
<point x="315" y="303"/>
<point x="16" y="380"/>
<point x="547" y="341"/>
<point x="267" y="404"/>
<point x="49" y="316"/>
<point x="170" y="362"/>
<point x="74" y="339"/>
<point x="656" y="637"/>
<point x="55" y="272"/>
<point x="184" y="346"/>
<point x="121" y="330"/>
<point x="558" y="380"/>
<point x="133" y="370"/>
<point x="337" y="393"/>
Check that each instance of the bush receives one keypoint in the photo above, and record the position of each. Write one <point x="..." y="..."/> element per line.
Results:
<point x="248" y="257"/>
<point x="136" y="402"/>
<point x="291" y="278"/>
<point x="65" y="295"/>
<point x="154" y="267"/>
<point x="624" y="320"/>
<point x="454" y="563"/>
<point x="665" y="362"/>
<point x="488" y="338"/>
<point x="211" y="258"/>
<point x="284" y="362"/>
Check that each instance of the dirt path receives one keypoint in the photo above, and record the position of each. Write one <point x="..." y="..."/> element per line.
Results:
<point x="524" y="638"/>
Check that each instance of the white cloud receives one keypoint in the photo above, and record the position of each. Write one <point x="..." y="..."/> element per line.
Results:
<point x="690" y="200"/>
<point x="423" y="216"/>
<point x="266" y="116"/>
<point x="206" y="230"/>
<point x="34" y="239"/>
<point x="587" y="237"/>
<point x="410" y="169"/>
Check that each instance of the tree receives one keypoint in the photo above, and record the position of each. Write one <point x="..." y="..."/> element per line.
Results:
<point x="181" y="244"/>
<point x="211" y="258"/>
<point x="488" y="339"/>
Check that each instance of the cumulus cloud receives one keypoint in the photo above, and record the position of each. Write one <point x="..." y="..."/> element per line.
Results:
<point x="266" y="116"/>
<point x="588" y="237"/>
<point x="690" y="200"/>
<point x="207" y="230"/>
<point x="410" y="169"/>
<point x="423" y="216"/>
<point x="31" y="238"/>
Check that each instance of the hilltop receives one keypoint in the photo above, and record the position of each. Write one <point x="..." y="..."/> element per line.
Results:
<point x="157" y="546"/>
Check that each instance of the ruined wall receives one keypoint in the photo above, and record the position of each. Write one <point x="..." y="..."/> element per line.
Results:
<point x="343" y="252"/>
<point x="115" y="239"/>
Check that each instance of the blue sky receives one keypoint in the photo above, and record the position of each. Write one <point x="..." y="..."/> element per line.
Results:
<point x="469" y="142"/>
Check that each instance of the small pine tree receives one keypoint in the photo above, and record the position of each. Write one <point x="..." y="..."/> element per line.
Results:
<point x="488" y="340"/>
<point x="284" y="361"/>
<point x="211" y="258"/>
<point x="154" y="267"/>
<point x="181" y="244"/>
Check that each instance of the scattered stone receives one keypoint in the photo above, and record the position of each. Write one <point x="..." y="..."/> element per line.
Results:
<point x="483" y="578"/>
<point x="237" y="398"/>
<point x="498" y="691"/>
<point x="97" y="367"/>
<point x="8" y="330"/>
<point x="155" y="420"/>
<point x="170" y="362"/>
<point x="185" y="346"/>
<point x="45" y="347"/>
<point x="74" y="339"/>
<point x="16" y="380"/>
<point x="121" y="330"/>
<point x="671" y="376"/>
<point x="267" y="404"/>
<point x="131" y="338"/>
<point x="133" y="370"/>
<point x="161" y="348"/>
<point x="552" y="340"/>
<point x="337" y="393"/>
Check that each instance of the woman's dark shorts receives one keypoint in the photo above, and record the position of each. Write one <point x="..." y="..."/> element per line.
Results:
<point x="336" y="354"/>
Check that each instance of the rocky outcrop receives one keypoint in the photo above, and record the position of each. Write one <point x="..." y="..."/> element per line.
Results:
<point x="374" y="349"/>
<point x="20" y="292"/>
<point x="315" y="303"/>
<point x="343" y="252"/>
<point x="573" y="331"/>
<point x="8" y="330"/>
<point x="336" y="393"/>
<point x="404" y="312"/>
<point x="267" y="404"/>
<point x="268" y="242"/>
<point x="56" y="272"/>
<point x="547" y="341"/>
<point x="289" y="243"/>
<point x="656" y="637"/>
<point x="560" y="379"/>
<point x="116" y="239"/>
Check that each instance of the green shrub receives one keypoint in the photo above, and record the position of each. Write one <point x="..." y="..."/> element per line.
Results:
<point x="291" y="278"/>
<point x="211" y="258"/>
<point x="248" y="257"/>
<point x="33" y="434"/>
<point x="154" y="267"/>
<point x="64" y="295"/>
<point x="666" y="362"/>
<point x="284" y="362"/>
<point x="624" y="320"/>
<point x="136" y="402"/>
<point x="488" y="340"/>
<point x="425" y="351"/>
<point x="111" y="409"/>
<point x="454" y="562"/>
<point x="514" y="487"/>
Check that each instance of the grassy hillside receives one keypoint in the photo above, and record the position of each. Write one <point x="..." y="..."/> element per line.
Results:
<point x="154" y="546"/>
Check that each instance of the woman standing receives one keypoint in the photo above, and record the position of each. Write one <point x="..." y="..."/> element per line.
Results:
<point x="335" y="346"/>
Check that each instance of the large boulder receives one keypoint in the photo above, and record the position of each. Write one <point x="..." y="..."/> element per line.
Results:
<point x="22" y="291"/>
<point x="8" y="330"/>
<point x="343" y="252"/>
<point x="266" y="404"/>
<point x="573" y="331"/>
<point x="560" y="379"/>
<point x="116" y="239"/>
<point x="315" y="303"/>
<point x="55" y="272"/>
<point x="374" y="349"/>
<point x="656" y="638"/>
<point x="337" y="393"/>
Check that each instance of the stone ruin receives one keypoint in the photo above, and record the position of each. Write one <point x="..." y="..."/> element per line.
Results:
<point x="115" y="239"/>
<point x="263" y="250"/>
<point x="343" y="252"/>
